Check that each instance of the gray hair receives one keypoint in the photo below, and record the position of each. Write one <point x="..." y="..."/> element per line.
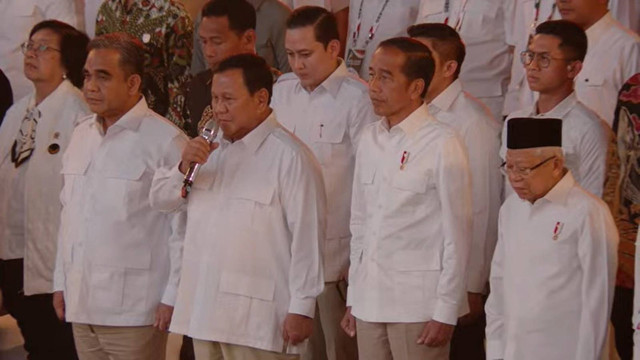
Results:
<point x="131" y="51"/>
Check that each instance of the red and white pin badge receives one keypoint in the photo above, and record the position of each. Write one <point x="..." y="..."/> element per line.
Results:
<point x="557" y="230"/>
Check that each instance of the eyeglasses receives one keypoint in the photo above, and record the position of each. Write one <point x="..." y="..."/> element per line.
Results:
<point x="37" y="48"/>
<point x="523" y="172"/>
<point x="544" y="59"/>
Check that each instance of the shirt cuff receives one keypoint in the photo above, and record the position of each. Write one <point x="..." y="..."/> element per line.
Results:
<point x="306" y="307"/>
<point x="495" y="350"/>
<point x="170" y="295"/>
<point x="446" y="313"/>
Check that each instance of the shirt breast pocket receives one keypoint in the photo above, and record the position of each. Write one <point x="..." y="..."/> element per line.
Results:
<point x="411" y="191"/>
<point x="126" y="187"/>
<point x="23" y="8"/>
<point x="250" y="203"/>
<point x="478" y="17"/>
<point x="328" y="141"/>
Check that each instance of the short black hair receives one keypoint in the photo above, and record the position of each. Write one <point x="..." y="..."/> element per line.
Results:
<point x="73" y="47"/>
<point x="240" y="13"/>
<point x="418" y="63"/>
<point x="573" y="40"/>
<point x="256" y="73"/>
<point x="325" y="26"/>
<point x="131" y="50"/>
<point x="446" y="41"/>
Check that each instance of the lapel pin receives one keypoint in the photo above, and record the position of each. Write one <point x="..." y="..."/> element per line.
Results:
<point x="53" y="148"/>
<point x="557" y="230"/>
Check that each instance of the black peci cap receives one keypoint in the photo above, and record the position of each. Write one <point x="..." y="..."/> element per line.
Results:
<point x="527" y="133"/>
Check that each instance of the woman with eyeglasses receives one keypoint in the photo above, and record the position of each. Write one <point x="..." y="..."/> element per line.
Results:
<point x="33" y="137"/>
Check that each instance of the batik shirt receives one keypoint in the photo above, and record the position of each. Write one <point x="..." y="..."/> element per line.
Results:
<point x="166" y="30"/>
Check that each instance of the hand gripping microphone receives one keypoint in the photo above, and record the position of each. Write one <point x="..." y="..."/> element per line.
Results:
<point x="209" y="133"/>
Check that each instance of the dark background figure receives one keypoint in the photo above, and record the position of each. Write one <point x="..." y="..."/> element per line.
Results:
<point x="6" y="95"/>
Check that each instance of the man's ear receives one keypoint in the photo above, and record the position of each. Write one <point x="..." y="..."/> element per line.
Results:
<point x="333" y="47"/>
<point x="450" y="68"/>
<point x="573" y="69"/>
<point x="134" y="83"/>
<point x="248" y="40"/>
<point x="261" y="97"/>
<point x="416" y="88"/>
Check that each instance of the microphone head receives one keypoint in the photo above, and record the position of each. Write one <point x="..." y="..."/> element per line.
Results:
<point x="210" y="129"/>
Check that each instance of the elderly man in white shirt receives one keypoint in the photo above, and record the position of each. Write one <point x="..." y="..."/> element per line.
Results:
<point x="372" y="21"/>
<point x="18" y="17"/>
<point x="256" y="217"/>
<point x="486" y="28"/>
<point x="34" y="135"/>
<point x="552" y="62"/>
<point x="554" y="268"/>
<point x="410" y="216"/>
<point x="473" y="121"/>
<point x="613" y="55"/>
<point x="118" y="262"/>
<point x="327" y="107"/>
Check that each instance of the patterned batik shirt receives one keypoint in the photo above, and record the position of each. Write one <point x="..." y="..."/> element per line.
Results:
<point x="166" y="30"/>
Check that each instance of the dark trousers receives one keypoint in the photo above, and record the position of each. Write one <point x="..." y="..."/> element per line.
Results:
<point x="186" y="350"/>
<point x="621" y="319"/>
<point x="45" y="336"/>
<point x="467" y="342"/>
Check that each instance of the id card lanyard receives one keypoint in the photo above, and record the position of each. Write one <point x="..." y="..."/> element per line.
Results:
<point x="536" y="16"/>
<point x="447" y="9"/>
<point x="372" y="29"/>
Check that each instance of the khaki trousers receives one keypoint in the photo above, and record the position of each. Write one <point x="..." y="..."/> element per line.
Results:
<point x="213" y="350"/>
<point x="328" y="341"/>
<point x="95" y="342"/>
<point x="395" y="341"/>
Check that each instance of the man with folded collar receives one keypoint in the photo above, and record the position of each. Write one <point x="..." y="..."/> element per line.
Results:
<point x="255" y="218"/>
<point x="554" y="267"/>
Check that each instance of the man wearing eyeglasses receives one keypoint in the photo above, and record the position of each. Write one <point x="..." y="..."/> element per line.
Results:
<point x="553" y="271"/>
<point x="552" y="62"/>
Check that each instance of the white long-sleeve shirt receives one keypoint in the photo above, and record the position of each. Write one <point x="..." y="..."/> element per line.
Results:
<point x="585" y="139"/>
<point x="519" y="95"/>
<point x="613" y="56"/>
<point x="30" y="194"/>
<point x="255" y="221"/>
<point x="117" y="257"/>
<point x="329" y="121"/>
<point x="411" y="224"/>
<point x="485" y="27"/>
<point x="552" y="277"/>
<point x="18" y="17"/>
<point x="480" y="134"/>
<point x="394" y="20"/>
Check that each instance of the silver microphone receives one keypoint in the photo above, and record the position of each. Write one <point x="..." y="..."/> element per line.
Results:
<point x="209" y="133"/>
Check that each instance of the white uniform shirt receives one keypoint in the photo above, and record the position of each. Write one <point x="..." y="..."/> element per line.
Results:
<point x="552" y="277"/>
<point x="627" y="12"/>
<point x="329" y="120"/>
<point x="411" y="224"/>
<point x="19" y="16"/>
<point x="519" y="95"/>
<point x="115" y="253"/>
<point x="397" y="16"/>
<point x="480" y="134"/>
<point x="256" y="218"/>
<point x="30" y="194"/>
<point x="636" y="304"/>
<point x="332" y="5"/>
<point x="486" y="28"/>
<point x="613" y="56"/>
<point x="585" y="140"/>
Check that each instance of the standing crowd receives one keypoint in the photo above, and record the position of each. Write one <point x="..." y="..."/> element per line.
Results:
<point x="321" y="179"/>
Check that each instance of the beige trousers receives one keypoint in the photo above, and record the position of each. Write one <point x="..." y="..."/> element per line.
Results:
<point x="395" y="341"/>
<point x="328" y="341"/>
<point x="213" y="350"/>
<point x="95" y="342"/>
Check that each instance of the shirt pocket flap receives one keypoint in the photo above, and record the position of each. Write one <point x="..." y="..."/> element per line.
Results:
<point x="260" y="194"/>
<point x="367" y="174"/>
<point x="432" y="7"/>
<point x="332" y="133"/>
<point x="593" y="79"/>
<point x="23" y="7"/>
<point x="76" y="165"/>
<point x="125" y="171"/>
<point x="417" y="260"/>
<point x="416" y="183"/>
<point x="249" y="286"/>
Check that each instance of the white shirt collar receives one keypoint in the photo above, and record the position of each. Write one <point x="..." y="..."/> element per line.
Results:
<point x="597" y="30"/>
<point x="559" y="193"/>
<point x="412" y="123"/>
<point x="332" y="83"/>
<point x="445" y="99"/>
<point x="256" y="137"/>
